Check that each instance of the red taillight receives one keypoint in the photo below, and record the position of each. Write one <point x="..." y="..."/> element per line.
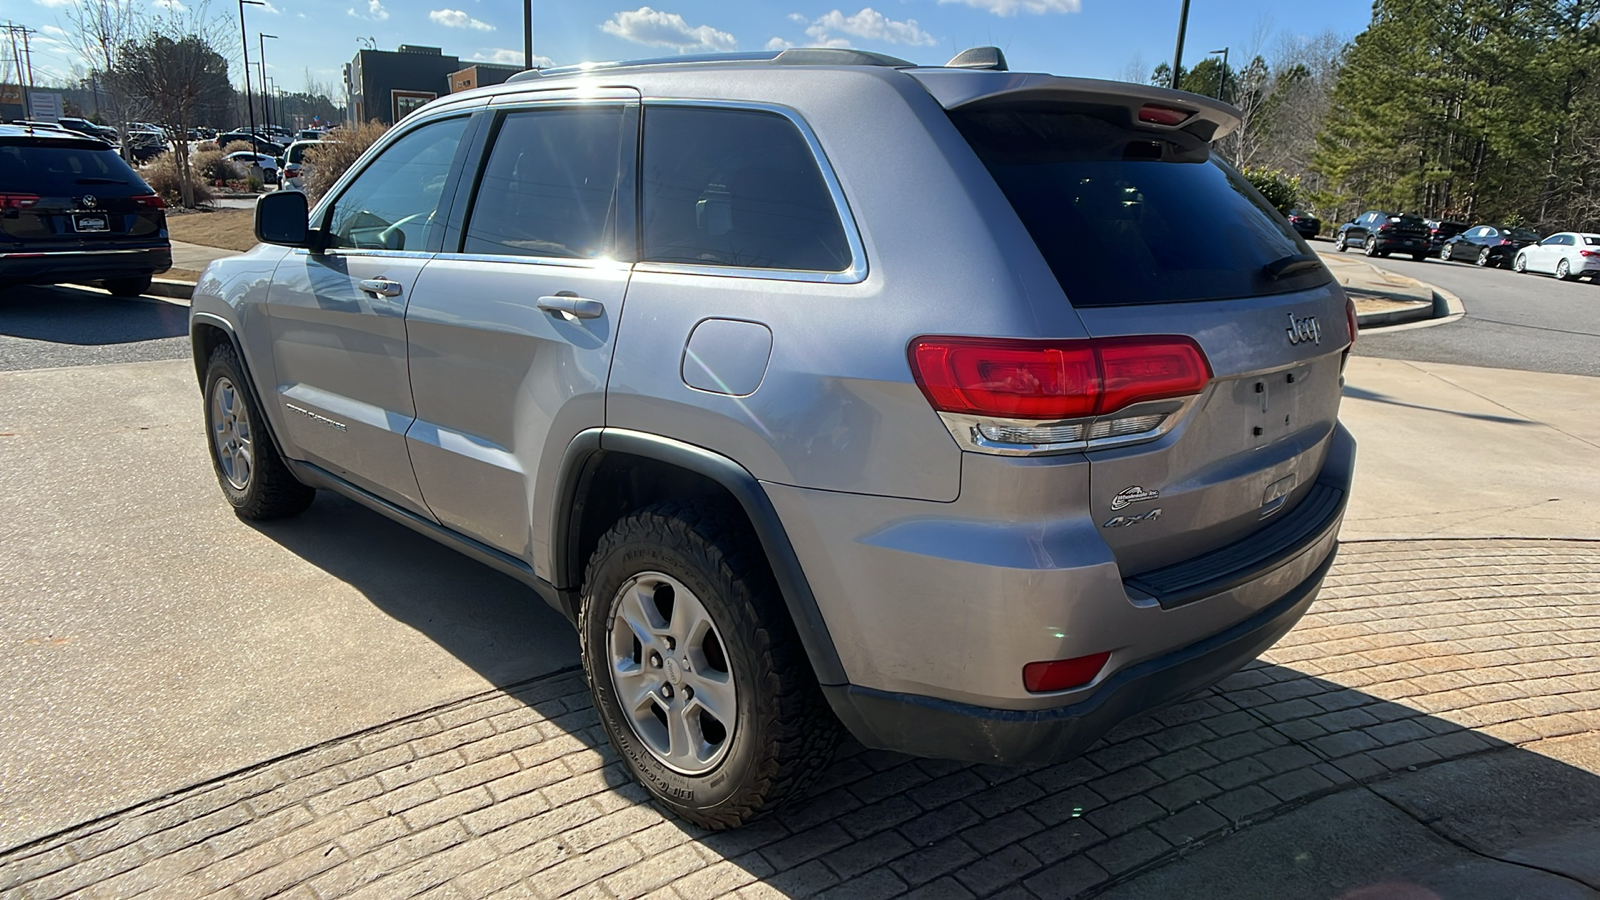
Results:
<point x="1505" y="242"/>
<point x="153" y="201"/>
<point x="1022" y="379"/>
<point x="18" y="201"/>
<point x="1060" y="674"/>
<point x="1589" y="252"/>
<point x="1385" y="228"/>
<point x="1163" y="115"/>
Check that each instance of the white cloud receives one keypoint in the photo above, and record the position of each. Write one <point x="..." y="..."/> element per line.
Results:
<point x="53" y="3"/>
<point x="1012" y="7"/>
<point x="501" y="56"/>
<point x="170" y="5"/>
<point x="455" y="18"/>
<point x="375" y="11"/>
<point x="54" y="30"/>
<point x="663" y="29"/>
<point x="778" y="43"/>
<point x="868" y="24"/>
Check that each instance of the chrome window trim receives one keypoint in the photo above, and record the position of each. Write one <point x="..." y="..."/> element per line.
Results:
<point x="566" y="262"/>
<point x="854" y="274"/>
<point x="366" y="252"/>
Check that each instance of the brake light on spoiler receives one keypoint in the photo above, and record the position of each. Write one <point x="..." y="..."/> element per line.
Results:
<point x="1028" y="397"/>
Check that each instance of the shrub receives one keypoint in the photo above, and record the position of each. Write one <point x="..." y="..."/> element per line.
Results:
<point x="211" y="166"/>
<point x="330" y="159"/>
<point x="1280" y="189"/>
<point x="161" y="173"/>
<point x="236" y="147"/>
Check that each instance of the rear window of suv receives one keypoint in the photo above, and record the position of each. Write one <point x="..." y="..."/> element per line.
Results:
<point x="1125" y="217"/>
<point x="65" y="169"/>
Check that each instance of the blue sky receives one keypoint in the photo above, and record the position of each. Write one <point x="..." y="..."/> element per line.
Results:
<point x="1093" y="38"/>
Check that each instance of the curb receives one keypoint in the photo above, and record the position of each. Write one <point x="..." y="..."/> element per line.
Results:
<point x="166" y="287"/>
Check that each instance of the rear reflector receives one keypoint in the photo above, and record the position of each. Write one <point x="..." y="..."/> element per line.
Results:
<point x="1163" y="115"/>
<point x="153" y="201"/>
<point x="1350" y="319"/>
<point x="1060" y="674"/>
<point x="18" y="201"/>
<point x="1024" y="379"/>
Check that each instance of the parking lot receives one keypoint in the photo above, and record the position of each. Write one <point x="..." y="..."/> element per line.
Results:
<point x="335" y="706"/>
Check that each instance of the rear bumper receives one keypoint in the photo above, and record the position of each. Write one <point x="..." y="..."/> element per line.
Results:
<point x="57" y="266"/>
<point x="1402" y="244"/>
<point x="925" y="726"/>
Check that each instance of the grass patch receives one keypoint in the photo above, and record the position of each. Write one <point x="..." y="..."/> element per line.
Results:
<point x="229" y="229"/>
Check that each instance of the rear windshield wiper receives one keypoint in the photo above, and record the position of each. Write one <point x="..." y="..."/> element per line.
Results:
<point x="95" y="180"/>
<point x="1289" y="265"/>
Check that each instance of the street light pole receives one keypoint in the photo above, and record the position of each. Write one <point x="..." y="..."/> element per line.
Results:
<point x="1177" y="54"/>
<point x="1222" y="81"/>
<point x="527" y="34"/>
<point x="261" y="47"/>
<point x="244" y="41"/>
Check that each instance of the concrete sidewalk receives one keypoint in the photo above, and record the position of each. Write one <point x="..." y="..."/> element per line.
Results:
<point x="1383" y="297"/>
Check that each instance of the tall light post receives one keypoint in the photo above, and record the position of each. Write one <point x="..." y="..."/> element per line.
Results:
<point x="261" y="47"/>
<point x="1222" y="80"/>
<point x="527" y="34"/>
<point x="1177" y="54"/>
<point x="244" y="41"/>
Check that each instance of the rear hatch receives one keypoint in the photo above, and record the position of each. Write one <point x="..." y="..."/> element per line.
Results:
<point x="1148" y="233"/>
<point x="1413" y="229"/>
<point x="74" y="194"/>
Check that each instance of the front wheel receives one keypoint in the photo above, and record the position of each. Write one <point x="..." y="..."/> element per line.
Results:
<point x="1483" y="258"/>
<point x="253" y="477"/>
<point x="697" y="672"/>
<point x="1520" y="264"/>
<point x="1564" y="270"/>
<point x="1338" y="244"/>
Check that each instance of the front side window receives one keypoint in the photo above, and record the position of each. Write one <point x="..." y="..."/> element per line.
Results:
<point x="735" y="187"/>
<point x="550" y="186"/>
<point x="395" y="200"/>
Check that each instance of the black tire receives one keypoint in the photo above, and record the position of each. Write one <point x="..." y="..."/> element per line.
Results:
<point x="1564" y="271"/>
<point x="127" y="287"/>
<point x="1484" y="260"/>
<point x="269" y="490"/>
<point x="1419" y="257"/>
<point x="1369" y="247"/>
<point x="784" y="733"/>
<point x="1338" y="243"/>
<point x="1520" y="264"/>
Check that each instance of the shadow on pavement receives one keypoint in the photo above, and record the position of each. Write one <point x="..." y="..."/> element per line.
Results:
<point x="64" y="314"/>
<point x="492" y="623"/>
<point x="1356" y="393"/>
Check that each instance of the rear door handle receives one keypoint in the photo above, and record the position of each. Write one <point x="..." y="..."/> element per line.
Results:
<point x="383" y="287"/>
<point x="572" y="305"/>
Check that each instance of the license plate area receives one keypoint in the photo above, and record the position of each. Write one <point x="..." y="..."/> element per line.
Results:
<point x="1274" y="401"/>
<point x="91" y="223"/>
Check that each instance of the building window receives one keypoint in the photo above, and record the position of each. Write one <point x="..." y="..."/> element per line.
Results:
<point x="404" y="102"/>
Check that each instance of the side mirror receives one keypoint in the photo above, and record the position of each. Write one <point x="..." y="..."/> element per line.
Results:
<point x="281" y="219"/>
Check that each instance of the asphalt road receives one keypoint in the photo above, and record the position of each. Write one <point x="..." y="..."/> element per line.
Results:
<point x="47" y="327"/>
<point x="1529" y="322"/>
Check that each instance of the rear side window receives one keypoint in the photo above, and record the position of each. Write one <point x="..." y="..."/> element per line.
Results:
<point x="1591" y="241"/>
<point x="59" y="170"/>
<point x="1124" y="217"/>
<point x="733" y="187"/>
<point x="550" y="186"/>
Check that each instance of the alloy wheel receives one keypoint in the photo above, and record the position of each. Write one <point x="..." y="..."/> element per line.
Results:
<point x="671" y="673"/>
<point x="1563" y="270"/>
<point x="1483" y="257"/>
<point x="231" y="437"/>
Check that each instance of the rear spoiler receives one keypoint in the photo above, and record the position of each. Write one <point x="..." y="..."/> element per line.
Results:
<point x="1156" y="108"/>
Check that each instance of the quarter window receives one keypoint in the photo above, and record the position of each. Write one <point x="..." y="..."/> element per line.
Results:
<point x="550" y="186"/>
<point x="730" y="187"/>
<point x="395" y="200"/>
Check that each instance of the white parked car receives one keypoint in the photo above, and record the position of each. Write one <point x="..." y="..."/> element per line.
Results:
<point x="269" y="164"/>
<point x="295" y="169"/>
<point x="1566" y="255"/>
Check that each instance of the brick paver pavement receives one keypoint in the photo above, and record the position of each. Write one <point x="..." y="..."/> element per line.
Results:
<point x="1417" y="652"/>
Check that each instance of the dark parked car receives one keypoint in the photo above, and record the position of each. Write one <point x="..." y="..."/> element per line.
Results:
<point x="262" y="144"/>
<point x="1305" y="223"/>
<point x="1379" y="233"/>
<point x="1440" y="231"/>
<point x="72" y="210"/>
<point x="1488" y="245"/>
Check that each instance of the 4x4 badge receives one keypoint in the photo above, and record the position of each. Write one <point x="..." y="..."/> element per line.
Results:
<point x="1132" y="494"/>
<point x="1302" y="330"/>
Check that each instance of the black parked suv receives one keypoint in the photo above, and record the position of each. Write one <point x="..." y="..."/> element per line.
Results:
<point x="72" y="210"/>
<point x="1488" y="245"/>
<point x="1379" y="233"/>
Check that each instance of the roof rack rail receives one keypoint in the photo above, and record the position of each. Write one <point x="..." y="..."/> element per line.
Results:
<point x="796" y="56"/>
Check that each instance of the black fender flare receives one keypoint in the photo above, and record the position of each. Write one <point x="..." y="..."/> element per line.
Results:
<point x="577" y="468"/>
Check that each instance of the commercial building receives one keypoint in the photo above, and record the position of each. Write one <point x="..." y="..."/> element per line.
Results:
<point x="387" y="84"/>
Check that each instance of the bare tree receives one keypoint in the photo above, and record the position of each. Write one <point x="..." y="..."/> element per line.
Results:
<point x="99" y="29"/>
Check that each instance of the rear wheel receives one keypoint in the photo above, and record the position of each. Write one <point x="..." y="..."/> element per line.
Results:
<point x="1564" y="270"/>
<point x="1338" y="243"/>
<point x="127" y="287"/>
<point x="696" y="670"/>
<point x="1483" y="257"/>
<point x="253" y="477"/>
<point x="1370" y="247"/>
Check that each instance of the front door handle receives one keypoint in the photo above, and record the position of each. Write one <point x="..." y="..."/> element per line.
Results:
<point x="572" y="305"/>
<point x="383" y="287"/>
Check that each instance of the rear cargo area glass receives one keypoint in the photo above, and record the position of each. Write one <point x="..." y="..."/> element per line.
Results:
<point x="64" y="171"/>
<point x="1124" y="216"/>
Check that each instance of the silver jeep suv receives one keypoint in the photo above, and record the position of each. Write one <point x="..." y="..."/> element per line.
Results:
<point x="967" y="411"/>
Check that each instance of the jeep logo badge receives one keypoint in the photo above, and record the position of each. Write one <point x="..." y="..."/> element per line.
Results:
<point x="1302" y="330"/>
